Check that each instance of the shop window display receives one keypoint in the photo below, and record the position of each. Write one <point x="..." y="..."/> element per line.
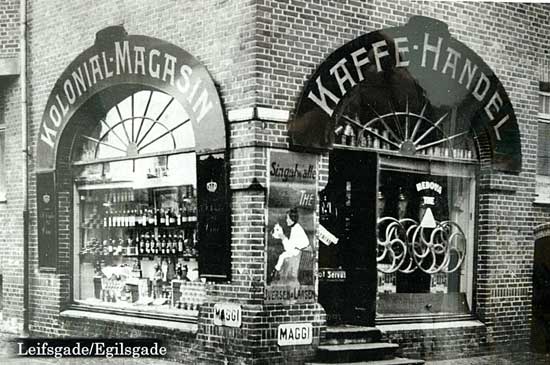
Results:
<point x="426" y="200"/>
<point x="136" y="209"/>
<point x="425" y="240"/>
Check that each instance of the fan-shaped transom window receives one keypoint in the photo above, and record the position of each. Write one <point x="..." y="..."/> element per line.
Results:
<point x="146" y="122"/>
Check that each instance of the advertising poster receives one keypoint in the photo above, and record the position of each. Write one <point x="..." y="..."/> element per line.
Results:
<point x="292" y="200"/>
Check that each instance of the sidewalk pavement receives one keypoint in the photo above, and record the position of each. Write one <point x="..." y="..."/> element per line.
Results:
<point x="522" y="358"/>
<point x="502" y="359"/>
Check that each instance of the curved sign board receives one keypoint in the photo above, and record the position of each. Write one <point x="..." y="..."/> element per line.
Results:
<point x="118" y="58"/>
<point x="417" y="68"/>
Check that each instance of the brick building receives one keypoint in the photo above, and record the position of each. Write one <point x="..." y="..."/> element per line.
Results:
<point x="409" y="137"/>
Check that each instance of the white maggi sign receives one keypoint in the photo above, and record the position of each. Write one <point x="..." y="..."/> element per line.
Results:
<point x="227" y="314"/>
<point x="294" y="334"/>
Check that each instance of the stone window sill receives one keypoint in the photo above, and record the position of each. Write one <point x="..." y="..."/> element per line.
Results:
<point x="430" y="326"/>
<point x="147" y="322"/>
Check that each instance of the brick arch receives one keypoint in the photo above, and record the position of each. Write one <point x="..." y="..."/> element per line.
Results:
<point x="118" y="58"/>
<point x="542" y="231"/>
<point x="418" y="58"/>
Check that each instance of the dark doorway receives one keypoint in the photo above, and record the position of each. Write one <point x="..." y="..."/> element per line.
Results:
<point x="347" y="268"/>
<point x="541" y="296"/>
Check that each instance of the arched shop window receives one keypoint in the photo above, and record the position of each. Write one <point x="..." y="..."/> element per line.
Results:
<point x="135" y="209"/>
<point x="416" y="109"/>
<point x="426" y="187"/>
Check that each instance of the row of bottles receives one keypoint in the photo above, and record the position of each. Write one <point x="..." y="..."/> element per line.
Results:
<point x="145" y="244"/>
<point x="149" y="217"/>
<point x="349" y="138"/>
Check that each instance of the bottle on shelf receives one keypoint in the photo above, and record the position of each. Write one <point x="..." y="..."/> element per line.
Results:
<point x="185" y="213"/>
<point x="194" y="243"/>
<point x="147" y="244"/>
<point x="178" y="216"/>
<point x="173" y="245"/>
<point x="161" y="216"/>
<point x="129" y="246"/>
<point x="120" y="246"/>
<point x="132" y="218"/>
<point x="163" y="245"/>
<point x="193" y="216"/>
<point x="142" y="244"/>
<point x="181" y="246"/>
<point x="110" y="247"/>
<point x="143" y="214"/>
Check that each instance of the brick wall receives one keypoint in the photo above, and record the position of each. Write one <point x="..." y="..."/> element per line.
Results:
<point x="9" y="28"/>
<point x="296" y="36"/>
<point x="260" y="53"/>
<point x="11" y="211"/>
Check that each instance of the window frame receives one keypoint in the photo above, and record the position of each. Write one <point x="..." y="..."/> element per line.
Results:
<point x="80" y="304"/>
<point x="467" y="170"/>
<point x="542" y="118"/>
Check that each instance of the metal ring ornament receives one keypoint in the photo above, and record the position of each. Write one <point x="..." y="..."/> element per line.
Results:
<point x="433" y="255"/>
<point x="405" y="246"/>
<point x="392" y="246"/>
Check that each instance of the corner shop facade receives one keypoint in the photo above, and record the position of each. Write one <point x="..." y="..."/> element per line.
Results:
<point x="262" y="59"/>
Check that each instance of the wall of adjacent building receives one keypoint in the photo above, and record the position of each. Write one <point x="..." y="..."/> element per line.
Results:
<point x="11" y="210"/>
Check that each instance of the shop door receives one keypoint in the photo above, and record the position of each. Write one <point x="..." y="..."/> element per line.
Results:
<point x="541" y="296"/>
<point x="347" y="249"/>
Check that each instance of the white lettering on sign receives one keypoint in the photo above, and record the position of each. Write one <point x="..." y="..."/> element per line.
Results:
<point x="295" y="334"/>
<point x="429" y="185"/>
<point x="325" y="236"/>
<point x="227" y="314"/>
<point x="429" y="200"/>
<point x="336" y="275"/>
<point x="330" y="87"/>
<point x="124" y="59"/>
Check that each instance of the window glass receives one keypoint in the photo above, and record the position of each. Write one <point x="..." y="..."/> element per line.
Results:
<point x="145" y="122"/>
<point x="425" y="239"/>
<point x="136" y="209"/>
<point x="543" y="150"/>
